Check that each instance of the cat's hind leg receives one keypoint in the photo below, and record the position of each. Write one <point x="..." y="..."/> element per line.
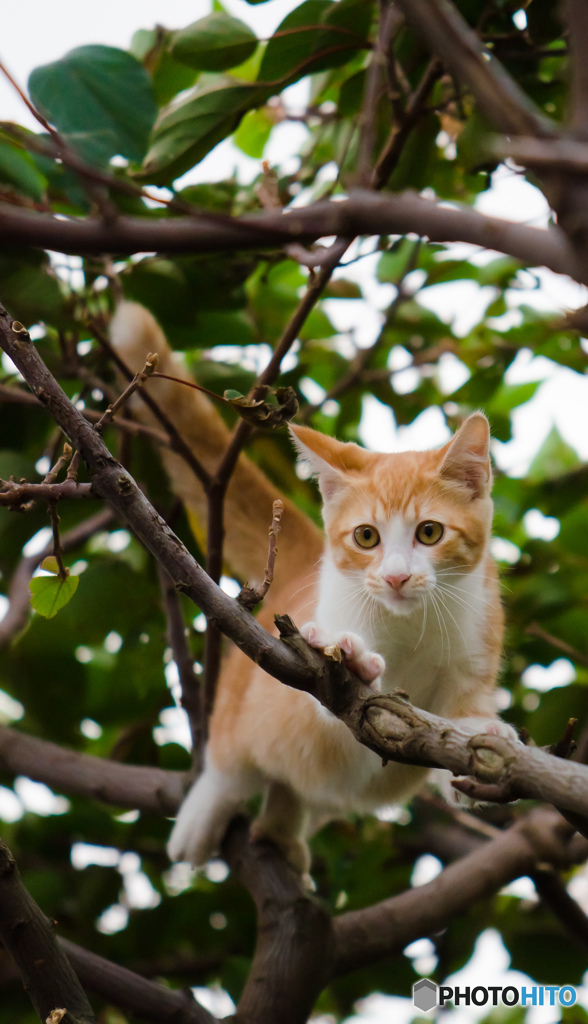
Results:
<point x="205" y="813"/>
<point x="282" y="821"/>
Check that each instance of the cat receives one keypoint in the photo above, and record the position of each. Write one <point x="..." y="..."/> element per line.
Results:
<point x="409" y="591"/>
<point x="405" y="585"/>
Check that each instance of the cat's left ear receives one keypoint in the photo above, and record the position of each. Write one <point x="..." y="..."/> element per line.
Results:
<point x="328" y="458"/>
<point x="467" y="459"/>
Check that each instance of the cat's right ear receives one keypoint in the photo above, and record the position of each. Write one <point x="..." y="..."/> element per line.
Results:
<point x="328" y="458"/>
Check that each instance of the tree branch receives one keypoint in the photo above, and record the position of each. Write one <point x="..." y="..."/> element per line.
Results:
<point x="28" y="936"/>
<point x="133" y="993"/>
<point x="534" y="629"/>
<point x="364" y="936"/>
<point x="389" y="22"/>
<point x="14" y="495"/>
<point x="500" y="99"/>
<point x="576" y="16"/>
<point x="150" y="790"/>
<point x="362" y="214"/>
<point x="294" y="948"/>
<point x="184" y="659"/>
<point x="250" y="596"/>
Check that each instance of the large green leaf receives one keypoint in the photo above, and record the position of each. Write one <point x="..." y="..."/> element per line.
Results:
<point x="315" y="36"/>
<point x="100" y="99"/>
<point x="214" y="43"/>
<point x="185" y="132"/>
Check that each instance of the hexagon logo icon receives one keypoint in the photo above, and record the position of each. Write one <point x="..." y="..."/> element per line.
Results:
<point x="424" y="995"/>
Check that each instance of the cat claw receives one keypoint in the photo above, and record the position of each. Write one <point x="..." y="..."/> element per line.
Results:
<point x="368" y="665"/>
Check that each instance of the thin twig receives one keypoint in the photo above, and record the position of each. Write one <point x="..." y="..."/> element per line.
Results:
<point x="62" y="461"/>
<point x="176" y="441"/>
<point x="184" y="659"/>
<point x="534" y="629"/>
<point x="72" y="472"/>
<point x="15" y="495"/>
<point x="19" y="597"/>
<point x="63" y="573"/>
<point x="391" y="18"/>
<point x="415" y="109"/>
<point x="358" y="367"/>
<point x="250" y="596"/>
<point x="137" y="382"/>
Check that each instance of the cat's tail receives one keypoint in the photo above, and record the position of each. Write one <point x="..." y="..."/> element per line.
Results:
<point x="248" y="504"/>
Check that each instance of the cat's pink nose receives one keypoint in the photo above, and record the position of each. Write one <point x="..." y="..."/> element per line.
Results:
<point x="397" y="582"/>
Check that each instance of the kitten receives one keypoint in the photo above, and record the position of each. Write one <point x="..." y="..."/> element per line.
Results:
<point x="409" y="590"/>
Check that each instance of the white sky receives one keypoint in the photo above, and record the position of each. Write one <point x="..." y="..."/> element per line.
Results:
<point x="35" y="33"/>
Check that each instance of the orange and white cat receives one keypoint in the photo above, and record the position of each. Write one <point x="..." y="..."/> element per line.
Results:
<point x="408" y="589"/>
<point x="406" y="586"/>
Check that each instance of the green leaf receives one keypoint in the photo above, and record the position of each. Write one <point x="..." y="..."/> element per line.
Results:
<point x="100" y="99"/>
<point x="152" y="49"/>
<point x="554" y="458"/>
<point x="253" y="132"/>
<point x="50" y="593"/>
<point x="18" y="169"/>
<point x="509" y="396"/>
<point x="329" y="31"/>
<point x="214" y="43"/>
<point x="185" y="132"/>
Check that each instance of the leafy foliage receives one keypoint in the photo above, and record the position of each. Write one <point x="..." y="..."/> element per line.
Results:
<point x="94" y="678"/>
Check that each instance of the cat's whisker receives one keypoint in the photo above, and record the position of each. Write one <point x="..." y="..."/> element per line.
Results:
<point x="424" y="623"/>
<point x="458" y="627"/>
<point x="467" y="605"/>
<point x="452" y="590"/>
<point x="442" y="627"/>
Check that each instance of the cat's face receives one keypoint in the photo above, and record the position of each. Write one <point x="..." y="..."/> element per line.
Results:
<point x="400" y="524"/>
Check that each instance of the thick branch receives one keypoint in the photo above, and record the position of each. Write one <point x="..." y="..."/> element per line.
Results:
<point x="362" y="214"/>
<point x="28" y="936"/>
<point x="500" y="98"/>
<point x="133" y="993"/>
<point x="364" y="936"/>
<point x="394" y="728"/>
<point x="151" y="790"/>
<point x="294" y="948"/>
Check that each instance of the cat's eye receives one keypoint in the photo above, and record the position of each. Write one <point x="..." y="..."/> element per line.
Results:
<point x="366" y="536"/>
<point x="429" y="532"/>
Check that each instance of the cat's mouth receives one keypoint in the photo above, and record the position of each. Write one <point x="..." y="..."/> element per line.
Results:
<point x="400" y="602"/>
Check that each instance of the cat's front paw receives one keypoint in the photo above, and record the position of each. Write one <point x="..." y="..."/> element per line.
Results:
<point x="368" y="665"/>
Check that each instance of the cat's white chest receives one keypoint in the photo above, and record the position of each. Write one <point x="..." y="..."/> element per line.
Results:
<point x="430" y="653"/>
